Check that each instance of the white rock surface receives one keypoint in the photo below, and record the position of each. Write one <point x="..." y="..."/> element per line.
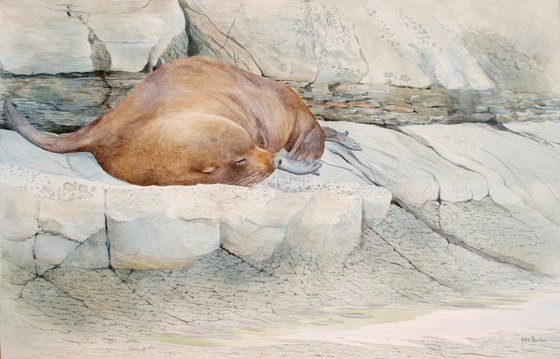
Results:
<point x="91" y="254"/>
<point x="404" y="43"/>
<point x="488" y="190"/>
<point x="77" y="36"/>
<point x="21" y="155"/>
<point x="373" y="41"/>
<point x="264" y="218"/>
<point x="494" y="231"/>
<point x="547" y="132"/>
<point x="161" y="227"/>
<point x="430" y="169"/>
<point x="409" y="169"/>
<point x="521" y="225"/>
<point x="422" y="166"/>
<point x="335" y="233"/>
<point x="51" y="250"/>
<point x="72" y="209"/>
<point x="520" y="172"/>
<point x="19" y="253"/>
<point x="67" y="206"/>
<point x="19" y="213"/>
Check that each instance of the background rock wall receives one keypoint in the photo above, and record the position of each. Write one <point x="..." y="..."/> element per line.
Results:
<point x="506" y="45"/>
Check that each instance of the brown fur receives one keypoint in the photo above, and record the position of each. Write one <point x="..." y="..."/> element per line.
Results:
<point x="192" y="121"/>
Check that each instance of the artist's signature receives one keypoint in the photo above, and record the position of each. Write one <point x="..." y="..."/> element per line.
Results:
<point x="533" y="340"/>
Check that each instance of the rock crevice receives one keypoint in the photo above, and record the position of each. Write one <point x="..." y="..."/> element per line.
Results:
<point x="205" y="39"/>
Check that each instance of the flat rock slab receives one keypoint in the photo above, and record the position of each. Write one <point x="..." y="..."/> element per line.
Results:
<point x="243" y="265"/>
<point x="486" y="188"/>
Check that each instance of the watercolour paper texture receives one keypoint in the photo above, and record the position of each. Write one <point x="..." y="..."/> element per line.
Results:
<point x="439" y="238"/>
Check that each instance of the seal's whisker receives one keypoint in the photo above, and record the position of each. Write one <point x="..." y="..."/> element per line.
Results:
<point x="253" y="179"/>
<point x="244" y="181"/>
<point x="256" y="180"/>
<point x="261" y="177"/>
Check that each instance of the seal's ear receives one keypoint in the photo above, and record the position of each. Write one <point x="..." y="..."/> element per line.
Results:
<point x="208" y="169"/>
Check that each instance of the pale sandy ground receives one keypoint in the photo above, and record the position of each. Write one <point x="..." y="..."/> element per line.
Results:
<point x="528" y="329"/>
<point x="534" y="325"/>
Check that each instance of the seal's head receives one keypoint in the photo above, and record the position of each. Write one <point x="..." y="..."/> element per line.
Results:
<point x="221" y="151"/>
<point x="184" y="148"/>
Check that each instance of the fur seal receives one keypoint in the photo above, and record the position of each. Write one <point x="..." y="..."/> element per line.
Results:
<point x="195" y="120"/>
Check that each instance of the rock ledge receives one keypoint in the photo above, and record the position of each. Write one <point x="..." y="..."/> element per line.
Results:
<point x="101" y="222"/>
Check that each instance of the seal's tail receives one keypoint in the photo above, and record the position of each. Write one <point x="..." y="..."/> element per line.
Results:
<point x="73" y="142"/>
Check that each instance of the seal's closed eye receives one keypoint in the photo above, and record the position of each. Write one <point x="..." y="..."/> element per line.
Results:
<point x="241" y="161"/>
<point x="208" y="169"/>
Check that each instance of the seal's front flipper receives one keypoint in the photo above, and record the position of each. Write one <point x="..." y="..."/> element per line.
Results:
<point x="342" y="138"/>
<point x="298" y="167"/>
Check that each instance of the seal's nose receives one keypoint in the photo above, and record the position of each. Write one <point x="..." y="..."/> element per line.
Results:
<point x="277" y="160"/>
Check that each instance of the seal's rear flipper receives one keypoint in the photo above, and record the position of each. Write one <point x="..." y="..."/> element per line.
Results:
<point x="24" y="128"/>
<point x="46" y="140"/>
<point x="342" y="138"/>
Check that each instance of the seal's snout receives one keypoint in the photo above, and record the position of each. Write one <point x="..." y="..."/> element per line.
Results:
<point x="277" y="160"/>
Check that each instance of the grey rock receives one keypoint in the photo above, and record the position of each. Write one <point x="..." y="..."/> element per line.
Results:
<point x="91" y="254"/>
<point x="67" y="103"/>
<point x="179" y="47"/>
<point x="100" y="56"/>
<point x="19" y="212"/>
<point x="80" y="37"/>
<point x="76" y="217"/>
<point x="20" y="253"/>
<point x="51" y="250"/>
<point x="205" y="39"/>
